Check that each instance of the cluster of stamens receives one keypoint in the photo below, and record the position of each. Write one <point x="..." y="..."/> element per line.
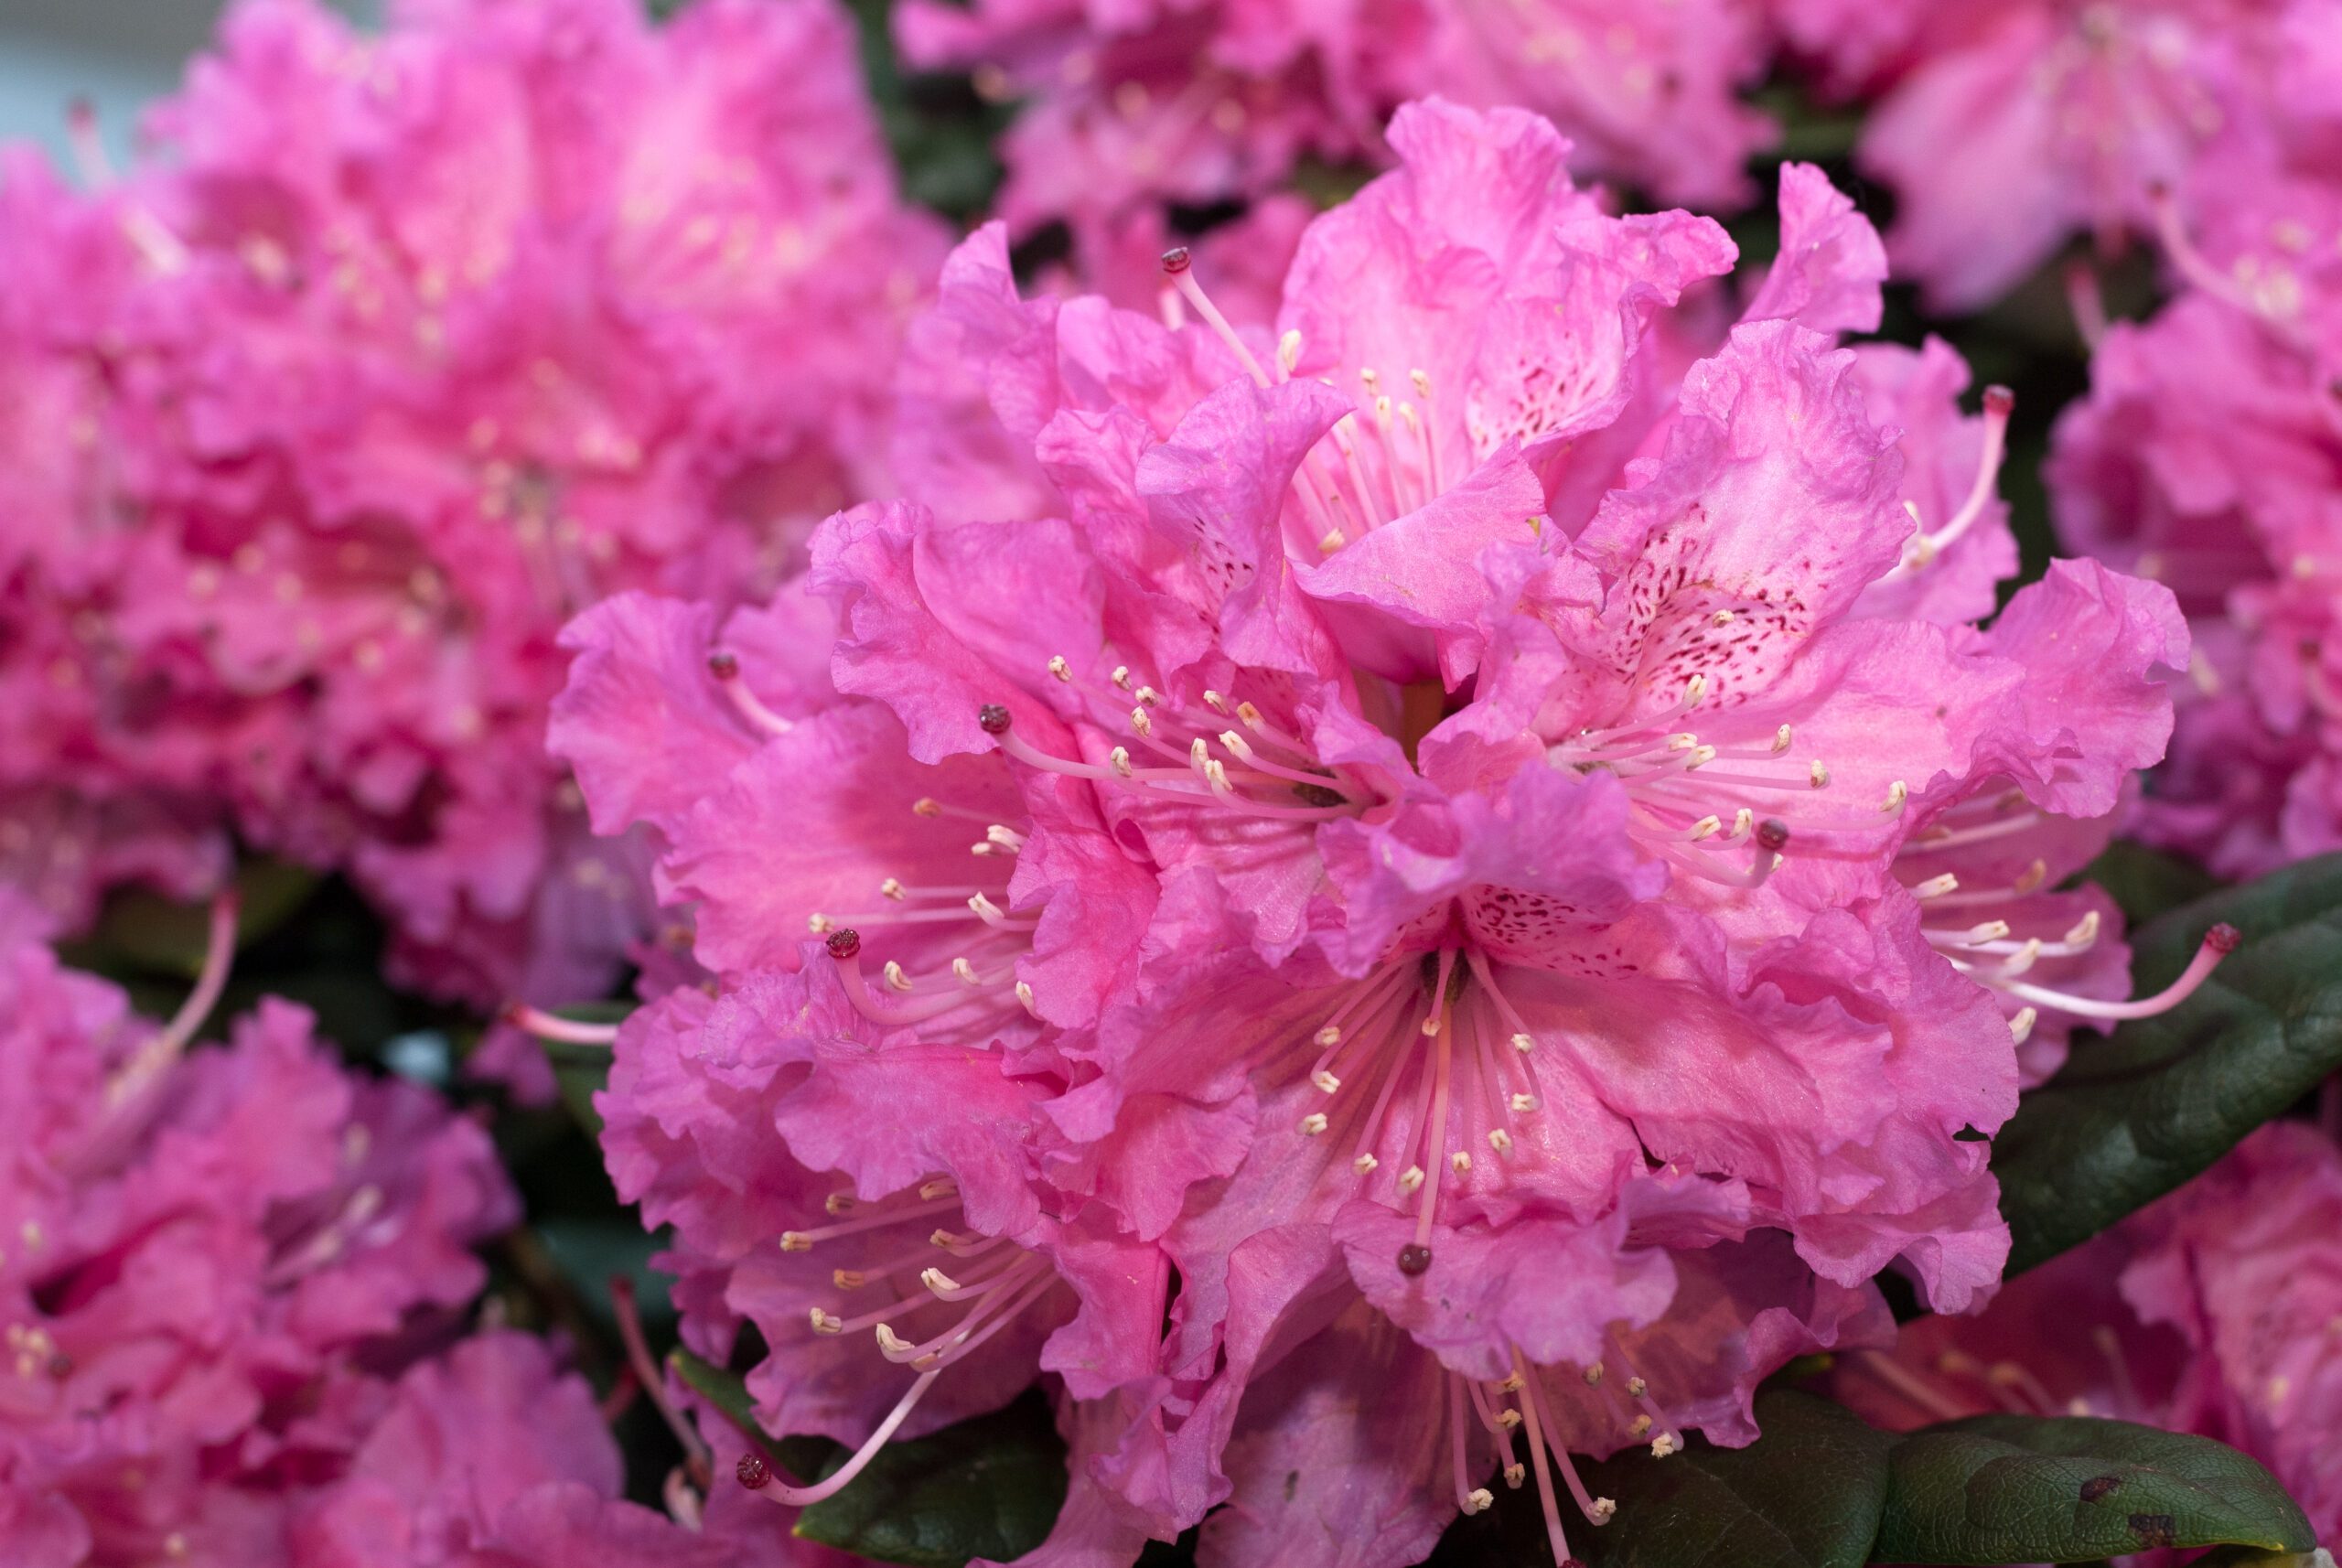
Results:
<point x="1525" y="1402"/>
<point x="1989" y="950"/>
<point x="1689" y="798"/>
<point x="903" y="1262"/>
<point x="1373" y="467"/>
<point x="1221" y="753"/>
<point x="1424" y="1067"/>
<point x="2006" y="1385"/>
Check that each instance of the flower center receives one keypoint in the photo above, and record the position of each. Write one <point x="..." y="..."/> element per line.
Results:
<point x="1252" y="766"/>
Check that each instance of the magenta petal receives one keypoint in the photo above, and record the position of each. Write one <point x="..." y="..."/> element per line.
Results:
<point x="1543" y="1284"/>
<point x="1830" y="263"/>
<point x="1419" y="574"/>
<point x="643" y="724"/>
<point x="1219" y="485"/>
<point x="1317" y="1481"/>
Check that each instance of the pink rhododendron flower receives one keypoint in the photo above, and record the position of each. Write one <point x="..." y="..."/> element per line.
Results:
<point x="229" y="1284"/>
<point x="405" y="350"/>
<point x="489" y="1456"/>
<point x="869" y="1204"/>
<point x="2068" y="115"/>
<point x="2212" y="1311"/>
<point x="1130" y="106"/>
<point x="2210" y="453"/>
<point x="1473" y="822"/>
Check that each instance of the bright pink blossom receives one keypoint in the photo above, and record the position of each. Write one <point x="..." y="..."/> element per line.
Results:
<point x="2211" y="1311"/>
<point x="1127" y="107"/>
<point x="406" y="348"/>
<point x="1488" y="814"/>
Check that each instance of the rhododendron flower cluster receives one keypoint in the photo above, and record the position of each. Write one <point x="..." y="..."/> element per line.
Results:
<point x="1128" y="107"/>
<point x="2210" y="453"/>
<point x="231" y="1284"/>
<point x="2007" y="126"/>
<point x="403" y="348"/>
<point x="1468" y="821"/>
<point x="2212" y="1311"/>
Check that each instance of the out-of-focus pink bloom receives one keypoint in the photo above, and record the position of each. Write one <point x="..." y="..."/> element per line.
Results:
<point x="406" y="350"/>
<point x="211" y="1262"/>
<point x="2210" y="455"/>
<point x="1130" y="106"/>
<point x="2067" y="115"/>
<point x="489" y="1456"/>
<point x="2213" y="1311"/>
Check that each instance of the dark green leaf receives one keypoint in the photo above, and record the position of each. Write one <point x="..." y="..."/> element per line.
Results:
<point x="2134" y="1116"/>
<point x="801" y="1457"/>
<point x="2017" y="1488"/>
<point x="988" y="1487"/>
<point x="2145" y="882"/>
<point x="588" y="1251"/>
<point x="941" y="132"/>
<point x="2253" y="1557"/>
<point x="1805" y="1495"/>
<point x="141" y="929"/>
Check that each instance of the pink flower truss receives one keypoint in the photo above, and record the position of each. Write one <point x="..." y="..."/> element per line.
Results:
<point x="1500" y="857"/>
<point x="2210" y="453"/>
<point x="1128" y="106"/>
<point x="77" y="814"/>
<point x="407" y="349"/>
<point x="489" y="1456"/>
<point x="2211" y="1312"/>
<point x="212" y="1258"/>
<point x="2067" y="115"/>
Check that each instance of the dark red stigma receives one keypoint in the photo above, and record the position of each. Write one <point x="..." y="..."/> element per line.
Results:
<point x="993" y="719"/>
<point x="724" y="666"/>
<point x="1175" y="260"/>
<point x="1773" y="833"/>
<point x="843" y="944"/>
<point x="2223" y="938"/>
<point x="753" y="1471"/>
<point x="1414" y="1260"/>
<point x="1999" y="400"/>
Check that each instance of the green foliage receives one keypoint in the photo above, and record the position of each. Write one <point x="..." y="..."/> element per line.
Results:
<point x="1808" y="1495"/>
<point x="2014" y="1489"/>
<point x="2146" y="883"/>
<point x="1819" y="1489"/>
<point x="2134" y="1116"/>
